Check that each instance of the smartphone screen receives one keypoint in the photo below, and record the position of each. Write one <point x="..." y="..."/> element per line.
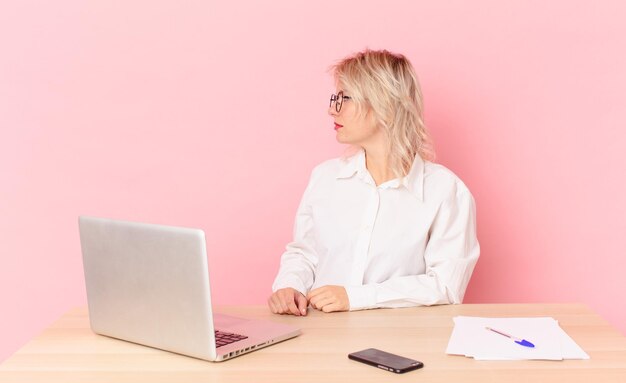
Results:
<point x="385" y="360"/>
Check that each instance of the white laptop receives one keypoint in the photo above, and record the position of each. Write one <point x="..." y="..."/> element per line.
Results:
<point x="149" y="284"/>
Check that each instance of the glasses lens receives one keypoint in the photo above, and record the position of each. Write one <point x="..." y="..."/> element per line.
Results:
<point x="339" y="102"/>
<point x="333" y="98"/>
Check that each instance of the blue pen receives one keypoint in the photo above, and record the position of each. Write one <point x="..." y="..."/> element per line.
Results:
<point x="522" y="342"/>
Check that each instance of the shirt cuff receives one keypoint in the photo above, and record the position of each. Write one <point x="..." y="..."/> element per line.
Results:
<point x="361" y="297"/>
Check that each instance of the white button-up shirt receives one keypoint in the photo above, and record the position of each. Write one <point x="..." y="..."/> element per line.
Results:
<point x="409" y="241"/>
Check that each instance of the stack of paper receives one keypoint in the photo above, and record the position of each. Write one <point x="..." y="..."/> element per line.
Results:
<point x="471" y="338"/>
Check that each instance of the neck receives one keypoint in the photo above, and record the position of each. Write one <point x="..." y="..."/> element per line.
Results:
<point x="377" y="163"/>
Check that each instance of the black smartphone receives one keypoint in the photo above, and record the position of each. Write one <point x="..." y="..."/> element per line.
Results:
<point x="385" y="360"/>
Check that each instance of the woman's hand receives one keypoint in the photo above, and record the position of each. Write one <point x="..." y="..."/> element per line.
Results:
<point x="288" y="301"/>
<point x="329" y="298"/>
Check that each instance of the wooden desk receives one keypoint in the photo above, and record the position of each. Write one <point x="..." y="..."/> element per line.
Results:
<point x="69" y="352"/>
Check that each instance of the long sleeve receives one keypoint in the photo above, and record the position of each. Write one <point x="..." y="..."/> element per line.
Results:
<point x="451" y="253"/>
<point x="298" y="262"/>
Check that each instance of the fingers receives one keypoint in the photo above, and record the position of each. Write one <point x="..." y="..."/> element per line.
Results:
<point x="329" y="308"/>
<point x="282" y="298"/>
<point x="291" y="306"/>
<point x="274" y="304"/>
<point x="321" y="303"/>
<point x="278" y="299"/>
<point x="320" y="298"/>
<point x="287" y="301"/>
<point x="314" y="296"/>
<point x="316" y="292"/>
<point x="292" y="302"/>
<point x="329" y="298"/>
<point x="302" y="303"/>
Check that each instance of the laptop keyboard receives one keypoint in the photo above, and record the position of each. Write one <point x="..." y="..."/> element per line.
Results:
<point x="224" y="338"/>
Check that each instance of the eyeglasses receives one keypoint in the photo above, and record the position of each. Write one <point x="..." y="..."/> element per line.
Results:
<point x="338" y="100"/>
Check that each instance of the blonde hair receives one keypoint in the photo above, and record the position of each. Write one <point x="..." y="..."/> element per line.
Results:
<point x="386" y="83"/>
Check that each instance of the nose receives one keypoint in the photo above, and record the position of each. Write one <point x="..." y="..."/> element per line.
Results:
<point x="332" y="111"/>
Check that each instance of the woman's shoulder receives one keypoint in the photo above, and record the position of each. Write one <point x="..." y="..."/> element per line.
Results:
<point x="335" y="167"/>
<point x="331" y="165"/>
<point x="440" y="180"/>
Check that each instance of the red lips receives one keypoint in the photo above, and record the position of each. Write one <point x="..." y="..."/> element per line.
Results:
<point x="337" y="126"/>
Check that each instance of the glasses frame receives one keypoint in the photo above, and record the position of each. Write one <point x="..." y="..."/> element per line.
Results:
<point x="338" y="100"/>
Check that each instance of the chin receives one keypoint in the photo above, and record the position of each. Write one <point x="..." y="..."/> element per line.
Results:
<point x="340" y="139"/>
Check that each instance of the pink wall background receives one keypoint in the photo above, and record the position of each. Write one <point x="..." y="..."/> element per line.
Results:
<point x="212" y="114"/>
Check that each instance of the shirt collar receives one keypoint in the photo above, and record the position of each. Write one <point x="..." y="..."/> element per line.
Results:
<point x="413" y="182"/>
<point x="353" y="164"/>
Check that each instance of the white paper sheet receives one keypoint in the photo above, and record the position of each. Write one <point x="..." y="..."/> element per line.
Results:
<point x="471" y="338"/>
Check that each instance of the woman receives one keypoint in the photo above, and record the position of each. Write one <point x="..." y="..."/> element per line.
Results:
<point x="385" y="226"/>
